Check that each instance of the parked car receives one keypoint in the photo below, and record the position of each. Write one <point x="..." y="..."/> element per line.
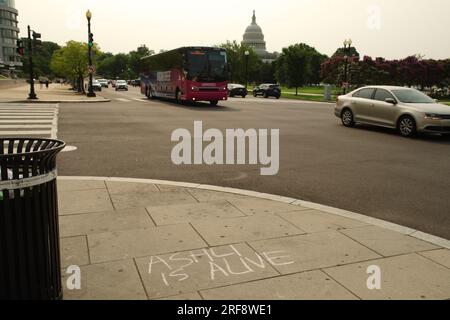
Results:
<point x="237" y="90"/>
<point x="136" y="83"/>
<point x="96" y="85"/>
<point x="267" y="90"/>
<point x="405" y="109"/>
<point x="104" y="83"/>
<point x="121" y="85"/>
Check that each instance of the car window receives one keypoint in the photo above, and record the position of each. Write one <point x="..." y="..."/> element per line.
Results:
<point x="364" y="93"/>
<point x="412" y="96"/>
<point x="382" y="95"/>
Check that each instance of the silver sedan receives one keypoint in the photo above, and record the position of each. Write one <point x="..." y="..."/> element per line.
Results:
<point x="407" y="110"/>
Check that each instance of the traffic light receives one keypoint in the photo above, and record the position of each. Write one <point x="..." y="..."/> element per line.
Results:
<point x="91" y="40"/>
<point x="36" y="37"/>
<point x="20" y="48"/>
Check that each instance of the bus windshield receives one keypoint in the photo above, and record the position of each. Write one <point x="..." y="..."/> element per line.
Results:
<point x="205" y="66"/>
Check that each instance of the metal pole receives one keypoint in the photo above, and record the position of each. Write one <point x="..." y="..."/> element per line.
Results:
<point x="246" y="71"/>
<point x="32" y="94"/>
<point x="91" y="93"/>
<point x="346" y="74"/>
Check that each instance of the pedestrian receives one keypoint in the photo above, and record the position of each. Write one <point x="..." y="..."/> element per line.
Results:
<point x="46" y="84"/>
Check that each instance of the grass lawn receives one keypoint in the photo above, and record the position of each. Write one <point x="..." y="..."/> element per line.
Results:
<point x="307" y="98"/>
<point x="445" y="102"/>
<point x="309" y="90"/>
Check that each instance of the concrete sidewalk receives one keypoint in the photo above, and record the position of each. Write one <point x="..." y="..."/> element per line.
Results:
<point x="56" y="93"/>
<point x="138" y="239"/>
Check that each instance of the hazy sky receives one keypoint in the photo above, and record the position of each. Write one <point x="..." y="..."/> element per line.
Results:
<point x="389" y="28"/>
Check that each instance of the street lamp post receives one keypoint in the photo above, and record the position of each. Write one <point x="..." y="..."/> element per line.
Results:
<point x="91" y="93"/>
<point x="247" y="55"/>
<point x="347" y="47"/>
<point x="32" y="94"/>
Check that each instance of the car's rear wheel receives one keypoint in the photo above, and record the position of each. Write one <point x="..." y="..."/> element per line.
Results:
<point x="214" y="102"/>
<point x="347" y="118"/>
<point x="407" y="126"/>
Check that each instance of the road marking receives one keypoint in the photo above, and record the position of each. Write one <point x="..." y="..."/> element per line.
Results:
<point x="26" y="121"/>
<point x="20" y="120"/>
<point x="123" y="100"/>
<point x="26" y="126"/>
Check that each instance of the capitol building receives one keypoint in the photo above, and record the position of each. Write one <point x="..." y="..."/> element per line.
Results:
<point x="254" y="38"/>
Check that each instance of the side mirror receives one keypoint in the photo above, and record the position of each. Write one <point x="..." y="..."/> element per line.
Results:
<point x="391" y="101"/>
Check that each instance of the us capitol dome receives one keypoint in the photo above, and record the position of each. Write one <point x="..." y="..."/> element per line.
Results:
<point x="254" y="38"/>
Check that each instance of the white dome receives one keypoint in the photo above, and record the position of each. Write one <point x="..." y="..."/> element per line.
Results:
<point x="254" y="37"/>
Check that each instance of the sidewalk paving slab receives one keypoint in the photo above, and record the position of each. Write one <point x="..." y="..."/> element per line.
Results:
<point x="407" y="277"/>
<point x="102" y="222"/>
<point x="441" y="256"/>
<point x="127" y="244"/>
<point x="174" y="274"/>
<point x="260" y="206"/>
<point x="387" y="243"/>
<point x="85" y="201"/>
<point x="313" y="221"/>
<point x="64" y="186"/>
<point x="54" y="94"/>
<point x="315" y="285"/>
<point x="236" y="230"/>
<point x="142" y="200"/>
<point x="117" y="280"/>
<point x="74" y="251"/>
<point x="176" y="214"/>
<point x="194" y="296"/>
<point x="315" y="251"/>
<point x="229" y="245"/>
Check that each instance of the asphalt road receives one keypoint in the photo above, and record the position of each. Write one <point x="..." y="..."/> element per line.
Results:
<point x="367" y="170"/>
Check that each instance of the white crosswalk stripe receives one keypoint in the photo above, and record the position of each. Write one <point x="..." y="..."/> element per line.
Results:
<point x="123" y="100"/>
<point x="29" y="120"/>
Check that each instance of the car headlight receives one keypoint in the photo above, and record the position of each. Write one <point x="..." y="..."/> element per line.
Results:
<point x="433" y="116"/>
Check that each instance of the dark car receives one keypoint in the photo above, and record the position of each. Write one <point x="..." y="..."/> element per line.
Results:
<point x="267" y="90"/>
<point x="237" y="90"/>
<point x="136" y="83"/>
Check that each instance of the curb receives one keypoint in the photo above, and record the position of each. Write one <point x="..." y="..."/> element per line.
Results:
<point x="441" y="242"/>
<point x="59" y="101"/>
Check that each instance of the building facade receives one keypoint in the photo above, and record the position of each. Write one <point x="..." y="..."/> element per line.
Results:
<point x="254" y="38"/>
<point x="9" y="34"/>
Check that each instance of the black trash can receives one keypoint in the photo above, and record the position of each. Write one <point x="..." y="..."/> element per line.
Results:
<point x="30" y="267"/>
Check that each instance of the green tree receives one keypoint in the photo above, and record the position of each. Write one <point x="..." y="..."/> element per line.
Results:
<point x="350" y="52"/>
<point x="237" y="62"/>
<point x="293" y="67"/>
<point x="71" y="62"/>
<point x="135" y="59"/>
<point x="42" y="55"/>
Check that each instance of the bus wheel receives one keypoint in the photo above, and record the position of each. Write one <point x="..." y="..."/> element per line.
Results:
<point x="178" y="96"/>
<point x="214" y="102"/>
<point x="150" y="93"/>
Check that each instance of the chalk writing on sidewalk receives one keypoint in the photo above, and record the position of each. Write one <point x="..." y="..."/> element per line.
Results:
<point x="213" y="263"/>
